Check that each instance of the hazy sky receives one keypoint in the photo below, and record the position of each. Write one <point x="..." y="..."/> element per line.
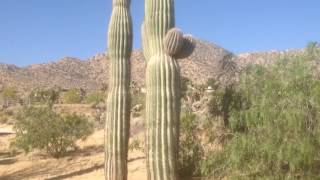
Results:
<point x="37" y="31"/>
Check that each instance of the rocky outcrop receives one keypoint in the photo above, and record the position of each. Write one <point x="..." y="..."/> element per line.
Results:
<point x="207" y="61"/>
<point x="92" y="74"/>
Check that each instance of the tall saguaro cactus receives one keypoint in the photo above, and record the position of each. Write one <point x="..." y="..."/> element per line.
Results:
<point x="118" y="101"/>
<point x="162" y="45"/>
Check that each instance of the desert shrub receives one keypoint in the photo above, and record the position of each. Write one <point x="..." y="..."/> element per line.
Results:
<point x="225" y="100"/>
<point x="8" y="96"/>
<point x="138" y="104"/>
<point x="211" y="82"/>
<point x="44" y="96"/>
<point x="41" y="128"/>
<point x="72" y="96"/>
<point x="190" y="150"/>
<point x="313" y="51"/>
<point x="185" y="82"/>
<point x="138" y="99"/>
<point x="4" y="117"/>
<point x="95" y="97"/>
<point x="277" y="135"/>
<point x="136" y="144"/>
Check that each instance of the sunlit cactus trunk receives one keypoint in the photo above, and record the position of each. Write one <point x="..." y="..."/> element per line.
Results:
<point x="118" y="101"/>
<point x="163" y="92"/>
<point x="163" y="109"/>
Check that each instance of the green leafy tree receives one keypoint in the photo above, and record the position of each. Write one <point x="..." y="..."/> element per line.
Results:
<point x="277" y="135"/>
<point x="225" y="100"/>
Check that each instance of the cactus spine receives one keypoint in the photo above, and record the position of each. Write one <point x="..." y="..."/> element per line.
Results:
<point x="118" y="101"/>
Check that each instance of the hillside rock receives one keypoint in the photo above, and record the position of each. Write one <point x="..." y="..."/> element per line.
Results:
<point x="92" y="74"/>
<point x="207" y="61"/>
<point x="266" y="58"/>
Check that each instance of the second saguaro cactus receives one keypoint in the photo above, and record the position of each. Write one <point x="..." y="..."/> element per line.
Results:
<point x="118" y="101"/>
<point x="162" y="45"/>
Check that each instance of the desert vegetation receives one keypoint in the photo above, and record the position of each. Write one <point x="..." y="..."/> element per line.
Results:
<point x="262" y="125"/>
<point x="72" y="96"/>
<point x="185" y="114"/>
<point x="8" y="96"/>
<point x="274" y="130"/>
<point x="95" y="98"/>
<point x="41" y="128"/>
<point x="269" y="121"/>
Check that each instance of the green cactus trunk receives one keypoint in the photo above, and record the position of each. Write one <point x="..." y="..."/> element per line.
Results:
<point x="163" y="109"/>
<point x="118" y="101"/>
<point x="163" y="92"/>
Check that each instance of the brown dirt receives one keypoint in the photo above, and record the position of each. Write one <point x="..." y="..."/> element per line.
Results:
<point x="85" y="164"/>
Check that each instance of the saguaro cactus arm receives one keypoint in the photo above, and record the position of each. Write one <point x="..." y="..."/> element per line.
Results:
<point x="178" y="45"/>
<point x="118" y="101"/>
<point x="173" y="42"/>
<point x="187" y="48"/>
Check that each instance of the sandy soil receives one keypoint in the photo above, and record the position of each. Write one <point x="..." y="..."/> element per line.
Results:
<point x="85" y="164"/>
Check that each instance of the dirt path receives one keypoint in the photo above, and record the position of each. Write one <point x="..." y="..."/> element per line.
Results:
<point x="6" y="130"/>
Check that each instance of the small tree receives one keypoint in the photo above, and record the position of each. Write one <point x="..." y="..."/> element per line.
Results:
<point x="48" y="97"/>
<point x="43" y="129"/>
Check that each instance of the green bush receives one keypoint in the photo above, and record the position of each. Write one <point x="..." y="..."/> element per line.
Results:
<point x="277" y="135"/>
<point x="72" y="96"/>
<point x="191" y="150"/>
<point x="95" y="98"/>
<point x="41" y="128"/>
<point x="225" y="100"/>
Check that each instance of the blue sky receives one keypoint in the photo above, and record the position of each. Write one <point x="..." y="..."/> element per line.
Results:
<point x="37" y="31"/>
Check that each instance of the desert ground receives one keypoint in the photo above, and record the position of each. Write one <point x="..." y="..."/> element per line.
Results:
<point x="86" y="163"/>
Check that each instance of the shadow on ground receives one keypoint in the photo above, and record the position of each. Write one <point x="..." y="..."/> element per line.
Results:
<point x="52" y="172"/>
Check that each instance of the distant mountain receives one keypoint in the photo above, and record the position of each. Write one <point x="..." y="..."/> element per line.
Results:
<point x="265" y="58"/>
<point x="206" y="62"/>
<point x="91" y="74"/>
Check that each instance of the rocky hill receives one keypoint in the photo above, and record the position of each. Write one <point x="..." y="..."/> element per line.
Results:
<point x="91" y="74"/>
<point x="265" y="58"/>
<point x="206" y="62"/>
